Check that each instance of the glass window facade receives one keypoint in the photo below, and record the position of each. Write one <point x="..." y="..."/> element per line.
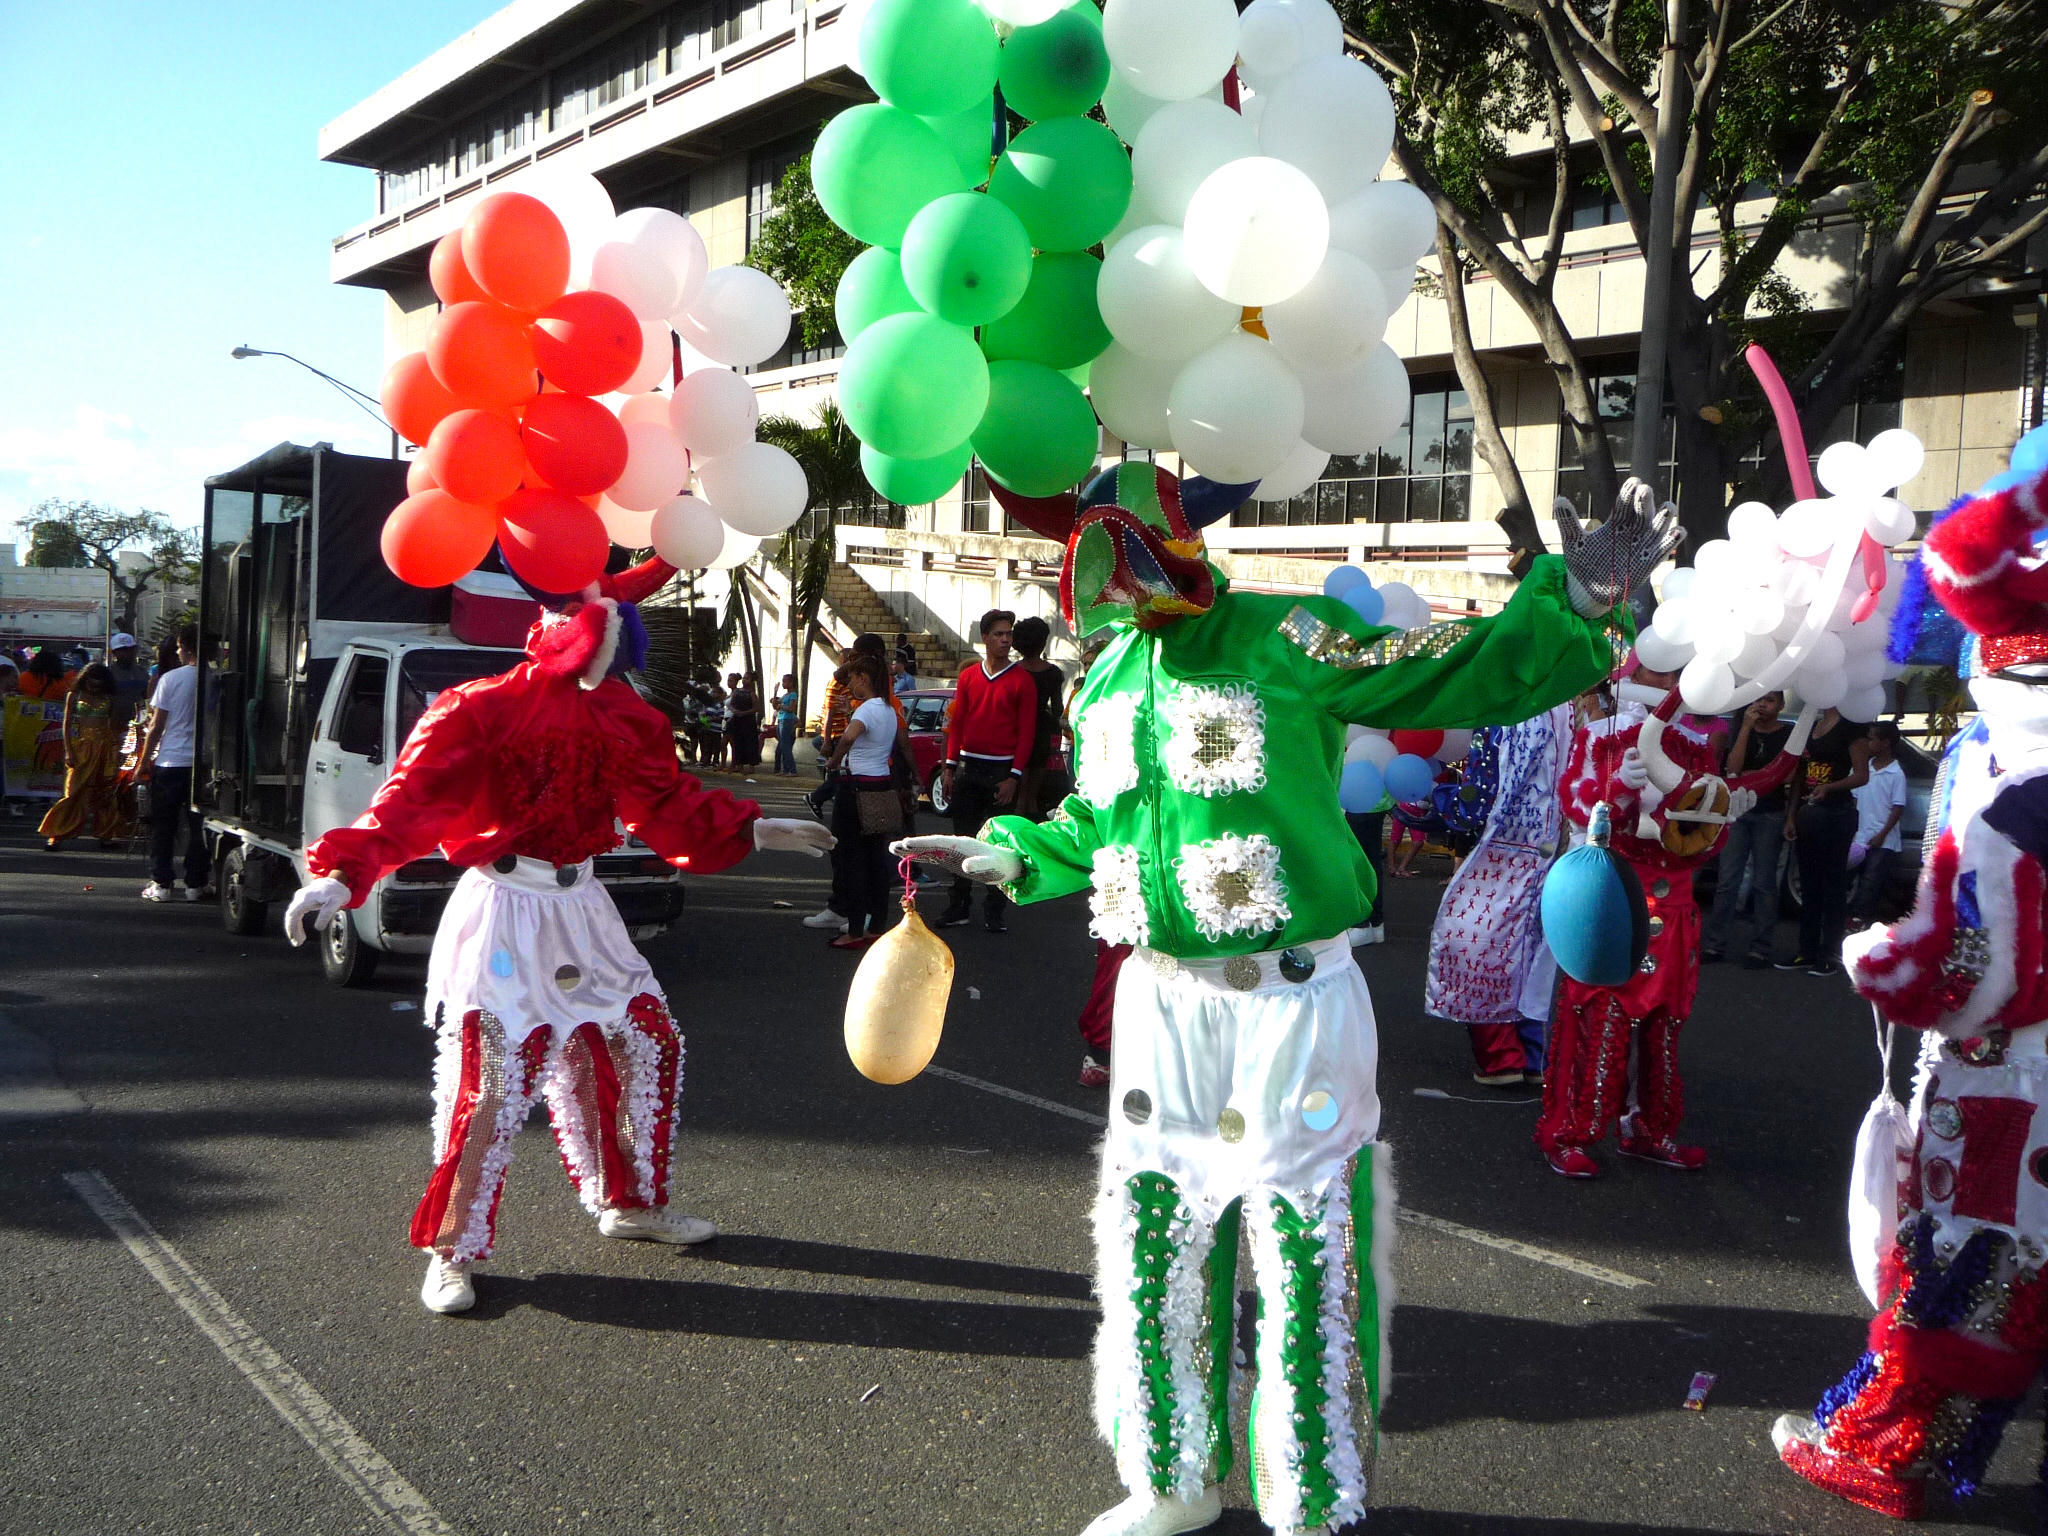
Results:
<point x="1614" y="402"/>
<point x="1421" y="474"/>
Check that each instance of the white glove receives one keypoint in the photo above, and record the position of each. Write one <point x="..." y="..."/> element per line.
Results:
<point x="788" y="834"/>
<point x="1740" y="803"/>
<point x="1857" y="853"/>
<point x="1633" y="773"/>
<point x="323" y="898"/>
<point x="968" y="856"/>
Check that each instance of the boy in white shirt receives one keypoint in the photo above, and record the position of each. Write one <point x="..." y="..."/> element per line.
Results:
<point x="1880" y="804"/>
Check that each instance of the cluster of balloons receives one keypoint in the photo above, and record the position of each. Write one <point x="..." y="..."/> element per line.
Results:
<point x="1377" y="763"/>
<point x="1250" y="283"/>
<point x="967" y="319"/>
<point x="1799" y="601"/>
<point x="535" y="400"/>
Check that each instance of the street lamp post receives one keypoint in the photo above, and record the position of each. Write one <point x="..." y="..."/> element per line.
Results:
<point x="362" y="400"/>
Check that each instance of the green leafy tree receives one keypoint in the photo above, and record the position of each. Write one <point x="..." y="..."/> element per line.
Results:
<point x="802" y="249"/>
<point x="830" y="456"/>
<point x="84" y="533"/>
<point x="1916" y="123"/>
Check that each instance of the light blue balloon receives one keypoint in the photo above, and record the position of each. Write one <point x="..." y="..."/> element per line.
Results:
<point x="1409" y="777"/>
<point x="1360" y="788"/>
<point x="2029" y="454"/>
<point x="2005" y="480"/>
<point x="1344" y="580"/>
<point x="1594" y="917"/>
<point x="1367" y="603"/>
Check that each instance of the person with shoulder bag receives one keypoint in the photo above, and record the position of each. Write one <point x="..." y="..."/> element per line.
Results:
<point x="867" y="812"/>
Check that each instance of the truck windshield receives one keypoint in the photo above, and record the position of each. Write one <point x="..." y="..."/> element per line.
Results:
<point x="424" y="674"/>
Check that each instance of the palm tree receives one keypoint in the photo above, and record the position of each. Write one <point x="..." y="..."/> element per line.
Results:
<point x="830" y="456"/>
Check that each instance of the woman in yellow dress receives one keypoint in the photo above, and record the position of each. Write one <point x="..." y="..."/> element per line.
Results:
<point x="92" y="763"/>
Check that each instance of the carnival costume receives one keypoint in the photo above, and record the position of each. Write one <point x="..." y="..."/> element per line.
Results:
<point x="1613" y="1065"/>
<point x="534" y="987"/>
<point x="1205" y="821"/>
<point x="1489" y="968"/>
<point x="1963" y="1329"/>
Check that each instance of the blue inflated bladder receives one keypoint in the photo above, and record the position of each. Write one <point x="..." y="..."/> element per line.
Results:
<point x="1594" y="917"/>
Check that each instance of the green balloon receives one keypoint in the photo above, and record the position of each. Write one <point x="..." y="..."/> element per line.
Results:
<point x="913" y="482"/>
<point x="1039" y="435"/>
<point x="1057" y="68"/>
<point x="913" y="386"/>
<point x="970" y="135"/>
<point x="1068" y="179"/>
<point x="967" y="259"/>
<point x="931" y="57"/>
<point x="1057" y="322"/>
<point x="874" y="167"/>
<point x="870" y="288"/>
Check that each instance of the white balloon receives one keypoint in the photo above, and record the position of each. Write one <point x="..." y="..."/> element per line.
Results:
<point x="1398" y="283"/>
<point x="1864" y="669"/>
<point x="1759" y="611"/>
<point x="1847" y="470"/>
<point x="1127" y="108"/>
<point x="1808" y="527"/>
<point x="757" y="488"/>
<point x="739" y="549"/>
<point x="1790" y="625"/>
<point x="1660" y="654"/>
<point x="1870" y="635"/>
<point x="1152" y="301"/>
<point x="1758" y="652"/>
<point x="673" y="241"/>
<point x="1718" y="644"/>
<point x="1329" y="324"/>
<point x="1797" y="584"/>
<point x="637" y="278"/>
<point x="1889" y="521"/>
<point x="1390" y="226"/>
<point x="714" y="412"/>
<point x="580" y="201"/>
<point x="1257" y="230"/>
<point x="1358" y="409"/>
<point x="1129" y="393"/>
<point x="1676" y="585"/>
<point x="740" y="317"/>
<point x="656" y="357"/>
<point x="1299" y="471"/>
<point x="686" y="533"/>
<point x="1824" y="653"/>
<point x="1334" y="119"/>
<point x="1823" y="690"/>
<point x="629" y="529"/>
<point x="657" y="468"/>
<point x="1136" y="217"/>
<point x="1235" y="411"/>
<point x="1251" y="106"/>
<point x="1275" y="37"/>
<point x="1023" y="13"/>
<point x="1865" y="704"/>
<point x="1716" y="562"/>
<point x="1171" y="49"/>
<point x="1895" y="457"/>
<point x="1405" y="608"/>
<point x="1706" y="686"/>
<point x="1182" y="145"/>
<point x="1753" y="523"/>
<point x="1673" y="621"/>
<point x="642" y="407"/>
<point x="1455" y="745"/>
<point x="1377" y="750"/>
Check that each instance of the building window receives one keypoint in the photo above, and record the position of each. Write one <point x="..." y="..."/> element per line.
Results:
<point x="1422" y="474"/>
<point x="977" y="512"/>
<point x="497" y="135"/>
<point x="765" y="170"/>
<point x="1614" y="403"/>
<point x="422" y="178"/>
<point x="609" y="75"/>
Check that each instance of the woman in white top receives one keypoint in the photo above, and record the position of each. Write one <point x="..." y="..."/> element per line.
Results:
<point x="863" y="753"/>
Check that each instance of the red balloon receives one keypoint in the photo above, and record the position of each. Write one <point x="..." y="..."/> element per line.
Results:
<point x="573" y="443"/>
<point x="475" y="456"/>
<point x="414" y="400"/>
<point x="481" y="355"/>
<point x="432" y="539"/>
<point x="1420" y="743"/>
<point x="587" y="342"/>
<point x="450" y="275"/>
<point x="417" y="478"/>
<point x="551" y="540"/>
<point x="517" y="250"/>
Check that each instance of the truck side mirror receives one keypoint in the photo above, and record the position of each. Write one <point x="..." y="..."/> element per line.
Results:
<point x="376" y="756"/>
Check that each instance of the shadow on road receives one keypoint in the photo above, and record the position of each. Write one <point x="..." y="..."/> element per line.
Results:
<point x="753" y="1252"/>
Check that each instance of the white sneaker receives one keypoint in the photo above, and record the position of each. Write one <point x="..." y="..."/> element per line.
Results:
<point x="1145" y="1514"/>
<point x="1791" y="1427"/>
<point x="447" y="1287"/>
<point x="155" y="892"/>
<point x="658" y="1226"/>
<point x="826" y="919"/>
<point x="1368" y="933"/>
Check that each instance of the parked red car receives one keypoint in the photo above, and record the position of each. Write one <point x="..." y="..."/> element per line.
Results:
<point x="925" y="711"/>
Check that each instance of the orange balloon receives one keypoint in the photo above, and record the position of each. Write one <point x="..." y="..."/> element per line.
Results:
<point x="481" y="354"/>
<point x="517" y="250"/>
<point x="417" y="478"/>
<point x="432" y="539"/>
<point x="587" y="342"/>
<point x="414" y="400"/>
<point x="551" y="540"/>
<point x="574" y="443"/>
<point x="475" y="456"/>
<point x="450" y="275"/>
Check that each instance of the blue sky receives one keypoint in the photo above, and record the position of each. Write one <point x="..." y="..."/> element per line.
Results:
<point x="161" y="202"/>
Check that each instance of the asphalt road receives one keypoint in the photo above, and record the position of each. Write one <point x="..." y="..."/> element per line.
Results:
<point x="892" y="1335"/>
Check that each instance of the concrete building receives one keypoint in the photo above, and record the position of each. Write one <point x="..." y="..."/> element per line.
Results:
<point x="700" y="106"/>
<point x="71" y="605"/>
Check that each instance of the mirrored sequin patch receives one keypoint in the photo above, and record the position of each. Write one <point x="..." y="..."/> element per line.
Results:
<point x="1118" y="898"/>
<point x="568" y="977"/>
<point x="1319" y="1110"/>
<point x="1233" y="884"/>
<point x="1945" y="1118"/>
<point x="1215" y="739"/>
<point x="1230" y="1126"/>
<point x="1107" y="732"/>
<point x="1939" y="1179"/>
<point x="1138" y="1106"/>
<point x="501" y="963"/>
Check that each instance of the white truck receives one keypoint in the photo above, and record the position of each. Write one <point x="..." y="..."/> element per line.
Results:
<point x="326" y="663"/>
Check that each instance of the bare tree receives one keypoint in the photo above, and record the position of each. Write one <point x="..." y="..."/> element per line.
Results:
<point x="84" y="533"/>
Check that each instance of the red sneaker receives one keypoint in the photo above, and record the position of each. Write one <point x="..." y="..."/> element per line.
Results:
<point x="1900" y="1497"/>
<point x="1572" y="1162"/>
<point x="1668" y="1152"/>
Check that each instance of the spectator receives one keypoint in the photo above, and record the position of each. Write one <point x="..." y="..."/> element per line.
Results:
<point x="1821" y="829"/>
<point x="989" y="736"/>
<point x="1043" y="787"/>
<point x="863" y="759"/>
<point x="786" y="721"/>
<point x="10" y="683"/>
<point x="743" y="722"/>
<point x="166" y="765"/>
<point x="92" y="765"/>
<point x="903" y="670"/>
<point x="166" y="660"/>
<point x="45" y="678"/>
<point x="1755" y="850"/>
<point x="839" y="705"/>
<point x="131" y="680"/>
<point x="1879" y="806"/>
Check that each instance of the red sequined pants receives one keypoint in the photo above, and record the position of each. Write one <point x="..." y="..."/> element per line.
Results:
<point x="1604" y="1065"/>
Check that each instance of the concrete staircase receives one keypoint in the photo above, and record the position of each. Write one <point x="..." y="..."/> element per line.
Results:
<point x="852" y="607"/>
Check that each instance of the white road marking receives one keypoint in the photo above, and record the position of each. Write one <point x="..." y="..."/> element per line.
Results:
<point x="398" y="1506"/>
<point x="1436" y="1224"/>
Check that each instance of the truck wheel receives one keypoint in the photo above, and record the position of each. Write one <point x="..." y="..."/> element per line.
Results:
<point x="345" y="959"/>
<point x="239" y="912"/>
<point x="936" y="792"/>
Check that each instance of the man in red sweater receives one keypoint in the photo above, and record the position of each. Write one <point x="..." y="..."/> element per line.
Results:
<point x="989" y="734"/>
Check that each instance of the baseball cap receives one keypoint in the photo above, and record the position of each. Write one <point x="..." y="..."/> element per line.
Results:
<point x="121" y="642"/>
